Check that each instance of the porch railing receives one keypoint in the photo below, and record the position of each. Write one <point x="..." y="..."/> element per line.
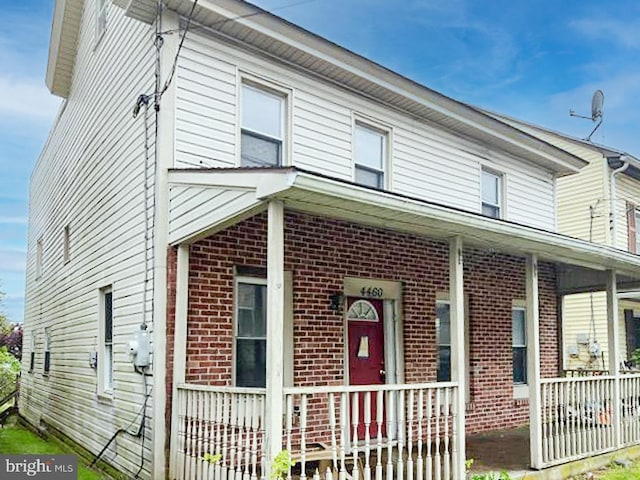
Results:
<point x="580" y="418"/>
<point x="224" y="422"/>
<point x="630" y="418"/>
<point x="373" y="432"/>
<point x="577" y="418"/>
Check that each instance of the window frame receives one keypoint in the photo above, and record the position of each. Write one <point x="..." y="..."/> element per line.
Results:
<point x="247" y="280"/>
<point x="39" y="257"/>
<point x="46" y="364"/>
<point x="32" y="353"/>
<point x="439" y="345"/>
<point x="443" y="297"/>
<point x="520" y="306"/>
<point x="66" y="244"/>
<point x="637" y="223"/>
<point x="386" y="135"/>
<point x="271" y="90"/>
<point x="105" y="353"/>
<point x="100" y="20"/>
<point x="500" y="206"/>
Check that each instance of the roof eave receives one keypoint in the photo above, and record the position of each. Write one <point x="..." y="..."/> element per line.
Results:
<point x="273" y="27"/>
<point x="65" y="28"/>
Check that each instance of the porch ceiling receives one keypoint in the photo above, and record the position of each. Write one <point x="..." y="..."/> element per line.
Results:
<point x="582" y="264"/>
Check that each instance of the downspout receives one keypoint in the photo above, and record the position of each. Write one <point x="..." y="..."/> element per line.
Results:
<point x="612" y="211"/>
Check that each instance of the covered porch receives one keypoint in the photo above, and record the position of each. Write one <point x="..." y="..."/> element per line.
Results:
<point x="402" y="426"/>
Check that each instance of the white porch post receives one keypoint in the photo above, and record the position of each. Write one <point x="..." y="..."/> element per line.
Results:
<point x="533" y="361"/>
<point x="458" y="363"/>
<point x="275" y="333"/>
<point x="179" y="349"/>
<point x="613" y="331"/>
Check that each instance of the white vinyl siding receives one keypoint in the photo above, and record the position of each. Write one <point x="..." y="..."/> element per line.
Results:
<point x="92" y="170"/>
<point x="426" y="161"/>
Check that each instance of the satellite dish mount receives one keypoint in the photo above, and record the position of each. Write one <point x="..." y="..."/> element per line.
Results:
<point x="597" y="104"/>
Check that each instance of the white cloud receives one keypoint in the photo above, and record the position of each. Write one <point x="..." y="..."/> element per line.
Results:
<point x="625" y="32"/>
<point x="24" y="99"/>
<point x="12" y="260"/>
<point x="13" y="220"/>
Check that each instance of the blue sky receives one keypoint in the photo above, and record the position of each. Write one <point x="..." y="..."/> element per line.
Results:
<point x="530" y="59"/>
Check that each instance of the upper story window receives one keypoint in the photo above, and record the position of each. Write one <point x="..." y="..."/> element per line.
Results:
<point x="633" y="219"/>
<point x="370" y="155"/>
<point x="519" y="342"/>
<point x="491" y="185"/>
<point x="637" y="221"/>
<point x="101" y="18"/>
<point x="262" y="127"/>
<point x="251" y="333"/>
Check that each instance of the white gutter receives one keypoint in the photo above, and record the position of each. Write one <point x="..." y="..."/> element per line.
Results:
<point x="612" y="203"/>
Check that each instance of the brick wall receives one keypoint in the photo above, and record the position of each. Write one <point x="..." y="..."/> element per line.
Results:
<point x="321" y="252"/>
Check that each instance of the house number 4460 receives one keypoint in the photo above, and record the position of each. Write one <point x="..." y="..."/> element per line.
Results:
<point x="374" y="292"/>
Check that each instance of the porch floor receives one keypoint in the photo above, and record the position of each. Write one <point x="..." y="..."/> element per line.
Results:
<point x="509" y="450"/>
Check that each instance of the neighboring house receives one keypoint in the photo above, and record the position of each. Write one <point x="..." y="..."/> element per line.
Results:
<point x="600" y="204"/>
<point x="322" y="252"/>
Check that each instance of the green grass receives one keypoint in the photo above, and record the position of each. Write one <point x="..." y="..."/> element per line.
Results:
<point x="619" y="473"/>
<point x="18" y="440"/>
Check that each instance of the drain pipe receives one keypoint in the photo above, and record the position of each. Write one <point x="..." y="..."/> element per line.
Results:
<point x="612" y="212"/>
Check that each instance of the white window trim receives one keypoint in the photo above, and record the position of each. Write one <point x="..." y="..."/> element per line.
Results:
<point x="34" y="346"/>
<point x="100" y="7"/>
<point x="104" y="390"/>
<point x="501" y="205"/>
<point x="66" y="244"/>
<point x="520" y="390"/>
<point x="47" y="349"/>
<point x="273" y="88"/>
<point x="39" y="257"/>
<point x="637" y="215"/>
<point x="236" y="289"/>
<point x="387" y="132"/>
<point x="443" y="297"/>
<point x="288" y="323"/>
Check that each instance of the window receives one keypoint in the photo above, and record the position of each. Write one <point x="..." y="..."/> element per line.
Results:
<point x="370" y="156"/>
<point x="251" y="333"/>
<point x="39" y="258"/>
<point x="105" y="356"/>
<point x="519" y="341"/>
<point x="443" y="340"/>
<point x="637" y="222"/>
<point x="32" y="354"/>
<point x="491" y="194"/>
<point x="101" y="18"/>
<point x="262" y="127"/>
<point x="47" y="350"/>
<point x="65" y="246"/>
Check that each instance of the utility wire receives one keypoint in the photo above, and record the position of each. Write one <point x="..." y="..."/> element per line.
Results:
<point x="215" y="25"/>
<point x="175" y="60"/>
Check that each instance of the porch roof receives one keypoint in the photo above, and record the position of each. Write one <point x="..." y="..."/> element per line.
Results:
<point x="205" y="201"/>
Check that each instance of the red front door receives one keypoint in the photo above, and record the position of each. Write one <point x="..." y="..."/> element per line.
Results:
<point x="366" y="354"/>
